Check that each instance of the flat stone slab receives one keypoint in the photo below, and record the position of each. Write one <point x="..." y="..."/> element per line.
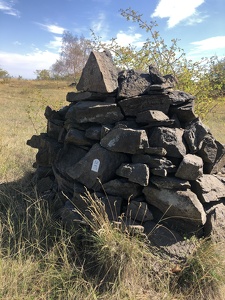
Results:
<point x="99" y="74"/>
<point x="208" y="188"/>
<point x="125" y="140"/>
<point x="82" y="96"/>
<point x="134" y="105"/>
<point x="154" y="162"/>
<point x="96" y="112"/>
<point x="149" y="116"/>
<point x="170" y="182"/>
<point x="98" y="164"/>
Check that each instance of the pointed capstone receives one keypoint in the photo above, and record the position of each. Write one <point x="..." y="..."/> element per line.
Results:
<point x="99" y="74"/>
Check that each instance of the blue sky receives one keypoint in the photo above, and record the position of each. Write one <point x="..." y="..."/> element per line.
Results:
<point x="31" y="31"/>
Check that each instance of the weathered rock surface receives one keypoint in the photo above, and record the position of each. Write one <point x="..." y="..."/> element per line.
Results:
<point x="194" y="135"/>
<point x="182" y="204"/>
<point x="138" y="173"/>
<point x="125" y="140"/>
<point x="171" y="183"/>
<point x="150" y="116"/>
<point x="170" y="139"/>
<point x="215" y="225"/>
<point x="208" y="188"/>
<point x="96" y="112"/>
<point x="134" y="105"/>
<point x="190" y="168"/>
<point x="132" y="83"/>
<point x="99" y="74"/>
<point x="98" y="164"/>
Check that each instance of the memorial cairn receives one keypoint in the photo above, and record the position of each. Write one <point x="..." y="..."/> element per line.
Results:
<point x="135" y="143"/>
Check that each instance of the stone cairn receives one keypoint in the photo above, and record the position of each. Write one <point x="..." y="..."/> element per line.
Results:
<point x="135" y="143"/>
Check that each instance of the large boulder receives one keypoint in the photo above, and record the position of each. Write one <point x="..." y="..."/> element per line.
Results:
<point x="178" y="204"/>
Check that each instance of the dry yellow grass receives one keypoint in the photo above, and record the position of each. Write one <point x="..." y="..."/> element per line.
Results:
<point x="22" y="105"/>
<point x="216" y="120"/>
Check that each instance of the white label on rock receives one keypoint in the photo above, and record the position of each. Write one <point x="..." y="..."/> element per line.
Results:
<point x="95" y="165"/>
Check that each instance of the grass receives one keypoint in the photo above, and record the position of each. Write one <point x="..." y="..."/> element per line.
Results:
<point x="41" y="259"/>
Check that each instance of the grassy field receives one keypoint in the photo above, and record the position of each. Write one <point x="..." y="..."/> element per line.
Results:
<point x="40" y="259"/>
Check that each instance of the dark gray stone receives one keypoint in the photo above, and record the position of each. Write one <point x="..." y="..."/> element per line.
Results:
<point x="170" y="139"/>
<point x="208" y="151"/>
<point x="99" y="74"/>
<point x="159" y="172"/>
<point x="180" y="97"/>
<point x="98" y="165"/>
<point x="155" y="76"/>
<point x="96" y="112"/>
<point x="94" y="133"/>
<point x="139" y="211"/>
<point x="77" y="137"/>
<point x="54" y="128"/>
<point x="154" y="162"/>
<point x="68" y="156"/>
<point x="123" y="188"/>
<point x="182" y="204"/>
<point x="194" y="135"/>
<point x="138" y="173"/>
<point x="133" y="106"/>
<point x="156" y="151"/>
<point x="125" y="140"/>
<point x="215" y="225"/>
<point x="213" y="168"/>
<point x="132" y="83"/>
<point x="190" y="168"/>
<point x="149" y="116"/>
<point x="171" y="183"/>
<point x="208" y="188"/>
<point x="185" y="112"/>
<point x="80" y="96"/>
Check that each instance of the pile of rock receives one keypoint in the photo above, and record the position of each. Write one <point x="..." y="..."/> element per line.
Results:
<point x="136" y="143"/>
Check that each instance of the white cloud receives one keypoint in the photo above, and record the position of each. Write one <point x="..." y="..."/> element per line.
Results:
<point x="124" y="39"/>
<point x="8" y="9"/>
<point x="211" y="44"/>
<point x="52" y="28"/>
<point x="176" y="10"/>
<point x="26" y="64"/>
<point x="55" y="44"/>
